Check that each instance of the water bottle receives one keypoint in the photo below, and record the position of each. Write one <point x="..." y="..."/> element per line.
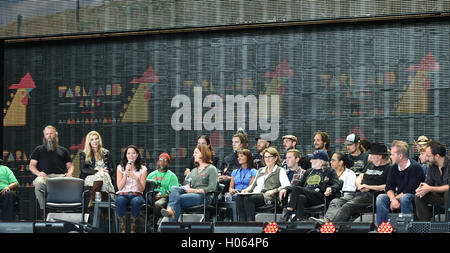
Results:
<point x="98" y="196"/>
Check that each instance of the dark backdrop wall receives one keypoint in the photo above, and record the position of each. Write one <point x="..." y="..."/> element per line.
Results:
<point x="384" y="81"/>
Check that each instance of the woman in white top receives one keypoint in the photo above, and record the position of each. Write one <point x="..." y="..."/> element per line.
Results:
<point x="131" y="179"/>
<point x="268" y="181"/>
<point x="340" y="163"/>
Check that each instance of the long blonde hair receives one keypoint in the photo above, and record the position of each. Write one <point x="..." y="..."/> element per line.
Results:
<point x="88" y="150"/>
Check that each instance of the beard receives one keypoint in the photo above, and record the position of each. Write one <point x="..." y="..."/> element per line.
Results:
<point x="50" y="144"/>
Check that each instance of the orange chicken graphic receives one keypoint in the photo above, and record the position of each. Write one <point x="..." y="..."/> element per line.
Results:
<point x="16" y="112"/>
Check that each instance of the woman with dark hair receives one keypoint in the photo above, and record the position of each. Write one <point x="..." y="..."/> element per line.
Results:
<point x="341" y="164"/>
<point x="243" y="177"/>
<point x="131" y="179"/>
<point x="202" y="179"/>
<point x="203" y="139"/>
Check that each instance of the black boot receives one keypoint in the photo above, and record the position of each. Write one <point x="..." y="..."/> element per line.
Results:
<point x="286" y="214"/>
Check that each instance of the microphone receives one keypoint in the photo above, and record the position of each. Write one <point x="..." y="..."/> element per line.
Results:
<point x="130" y="163"/>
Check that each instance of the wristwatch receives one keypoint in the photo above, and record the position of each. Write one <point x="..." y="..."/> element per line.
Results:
<point x="198" y="191"/>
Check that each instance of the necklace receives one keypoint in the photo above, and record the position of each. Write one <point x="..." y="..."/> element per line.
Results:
<point x="242" y="178"/>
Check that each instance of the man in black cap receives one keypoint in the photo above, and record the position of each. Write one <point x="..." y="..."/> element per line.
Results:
<point x="261" y="144"/>
<point x="356" y="153"/>
<point x="373" y="179"/>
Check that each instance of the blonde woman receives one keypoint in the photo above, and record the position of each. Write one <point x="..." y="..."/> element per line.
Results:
<point x="96" y="165"/>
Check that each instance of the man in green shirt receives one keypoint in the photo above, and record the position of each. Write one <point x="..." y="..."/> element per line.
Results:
<point x="165" y="180"/>
<point x="8" y="183"/>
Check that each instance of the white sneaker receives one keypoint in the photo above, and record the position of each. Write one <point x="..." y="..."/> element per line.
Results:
<point x="318" y="220"/>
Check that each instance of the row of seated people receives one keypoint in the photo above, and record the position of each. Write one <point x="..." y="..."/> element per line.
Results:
<point x="96" y="167"/>
<point x="402" y="183"/>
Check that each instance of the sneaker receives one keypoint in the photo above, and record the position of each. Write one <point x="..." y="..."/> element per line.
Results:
<point x="286" y="215"/>
<point x="319" y="220"/>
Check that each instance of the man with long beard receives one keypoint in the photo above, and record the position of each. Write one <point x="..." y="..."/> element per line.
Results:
<point x="49" y="160"/>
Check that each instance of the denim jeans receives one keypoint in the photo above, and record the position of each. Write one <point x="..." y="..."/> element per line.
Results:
<point x="135" y="202"/>
<point x="178" y="198"/>
<point x="7" y="200"/>
<point x="383" y="206"/>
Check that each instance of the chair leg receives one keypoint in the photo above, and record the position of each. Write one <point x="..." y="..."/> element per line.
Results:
<point x="116" y="221"/>
<point x="145" y="219"/>
<point x="434" y="215"/>
<point x="109" y="219"/>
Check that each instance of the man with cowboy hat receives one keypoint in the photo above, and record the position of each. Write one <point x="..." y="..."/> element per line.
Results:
<point x="372" y="179"/>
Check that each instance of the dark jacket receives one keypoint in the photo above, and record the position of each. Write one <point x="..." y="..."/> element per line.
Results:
<point x="434" y="177"/>
<point x="231" y="162"/>
<point x="330" y="179"/>
<point x="88" y="168"/>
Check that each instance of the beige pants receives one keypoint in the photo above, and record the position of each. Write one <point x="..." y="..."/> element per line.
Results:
<point x="107" y="185"/>
<point x="40" y="183"/>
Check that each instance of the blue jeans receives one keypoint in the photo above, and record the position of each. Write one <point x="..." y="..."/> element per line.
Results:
<point x="178" y="198"/>
<point x="134" y="201"/>
<point x="383" y="206"/>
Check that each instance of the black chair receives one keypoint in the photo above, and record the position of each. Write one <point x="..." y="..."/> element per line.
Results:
<point x="206" y="208"/>
<point x="65" y="193"/>
<point x="148" y="191"/>
<point x="447" y="208"/>
<point x="270" y="207"/>
<point x="149" y="194"/>
<point x="318" y="210"/>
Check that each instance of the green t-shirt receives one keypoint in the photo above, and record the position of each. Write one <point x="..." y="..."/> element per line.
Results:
<point x="6" y="177"/>
<point x="167" y="180"/>
<point x="206" y="180"/>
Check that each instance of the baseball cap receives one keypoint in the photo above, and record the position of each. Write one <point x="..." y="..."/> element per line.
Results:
<point x="165" y="155"/>
<point x="319" y="154"/>
<point x="351" y="139"/>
